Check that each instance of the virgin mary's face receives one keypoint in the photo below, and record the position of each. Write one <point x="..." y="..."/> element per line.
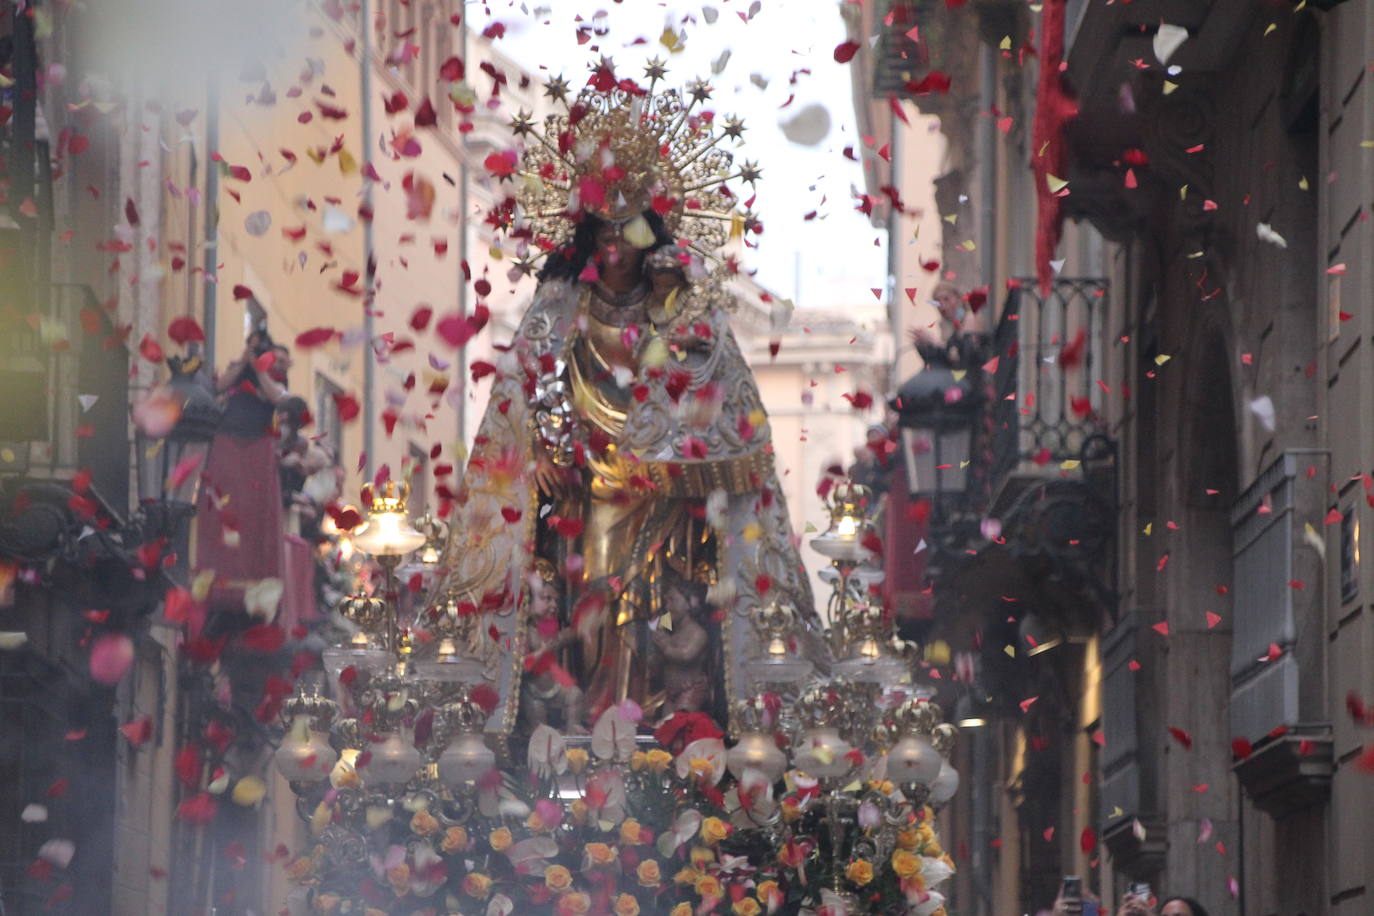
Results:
<point x="611" y="248"/>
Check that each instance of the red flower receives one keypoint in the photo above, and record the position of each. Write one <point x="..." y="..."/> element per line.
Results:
<point x="198" y="809"/>
<point x="682" y="728"/>
<point x="502" y="164"/>
<point x="184" y="329"/>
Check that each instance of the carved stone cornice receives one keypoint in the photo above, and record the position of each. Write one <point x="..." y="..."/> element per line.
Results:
<point x="1289" y="773"/>
<point x="1170" y="126"/>
<point x="1138" y="843"/>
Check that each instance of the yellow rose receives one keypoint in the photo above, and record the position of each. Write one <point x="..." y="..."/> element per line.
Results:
<point x="768" y="893"/>
<point x="455" y="839"/>
<point x="659" y="760"/>
<point x="424" y="824"/>
<point x="908" y="839"/>
<point x="577" y="759"/>
<point x="599" y="854"/>
<point x="303" y="869"/>
<point x="701" y="857"/>
<point x="906" y="864"/>
<point x="649" y="874"/>
<point x="535" y="824"/>
<point x="557" y="878"/>
<point x="577" y="808"/>
<point x="791" y="809"/>
<point x="477" y="885"/>
<point x="686" y="876"/>
<point x="747" y="906"/>
<point x="500" y="839"/>
<point x="860" y="871"/>
<point x="933" y="848"/>
<point x="630" y="832"/>
<point x="708" y="886"/>
<point x="626" y="905"/>
<point x="713" y="830"/>
<point x="327" y="903"/>
<point x="399" y="879"/>
<point x="638" y="760"/>
<point x="574" y="904"/>
<point x="347" y="779"/>
<point x="701" y="767"/>
<point x="682" y="909"/>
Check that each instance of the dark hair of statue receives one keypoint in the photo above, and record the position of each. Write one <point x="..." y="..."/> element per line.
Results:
<point x="1195" y="908"/>
<point x="567" y="262"/>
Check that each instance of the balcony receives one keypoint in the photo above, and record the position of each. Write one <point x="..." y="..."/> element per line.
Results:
<point x="1278" y="702"/>
<point x="1027" y="520"/>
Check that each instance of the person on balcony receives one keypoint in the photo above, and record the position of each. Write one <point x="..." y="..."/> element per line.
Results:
<point x="238" y="529"/>
<point x="959" y="340"/>
<point x="300" y="459"/>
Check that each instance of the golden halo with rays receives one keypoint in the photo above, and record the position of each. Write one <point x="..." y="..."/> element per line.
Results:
<point x="617" y="150"/>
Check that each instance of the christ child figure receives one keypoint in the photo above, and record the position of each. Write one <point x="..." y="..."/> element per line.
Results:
<point x="683" y="646"/>
<point x="542" y="692"/>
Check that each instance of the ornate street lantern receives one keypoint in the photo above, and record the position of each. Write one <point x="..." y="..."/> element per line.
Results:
<point x="937" y="414"/>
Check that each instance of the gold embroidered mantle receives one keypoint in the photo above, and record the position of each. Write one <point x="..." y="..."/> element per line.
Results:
<point x="693" y="427"/>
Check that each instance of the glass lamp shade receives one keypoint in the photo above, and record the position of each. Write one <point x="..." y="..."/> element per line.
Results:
<point x="466" y="760"/>
<point x="786" y="669"/>
<point x="307" y="759"/>
<point x="451" y="666"/>
<point x="359" y="656"/>
<point x="822" y="754"/>
<point x="945" y="784"/>
<point x="861" y="577"/>
<point x="394" y="761"/>
<point x="452" y="669"/>
<point x="756" y="751"/>
<point x="914" y="759"/>
<point x="844" y="547"/>
<point x="937" y="459"/>
<point x="388" y="534"/>
<point x="875" y="665"/>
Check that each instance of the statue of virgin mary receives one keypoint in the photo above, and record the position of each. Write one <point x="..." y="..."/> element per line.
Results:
<point x="624" y="443"/>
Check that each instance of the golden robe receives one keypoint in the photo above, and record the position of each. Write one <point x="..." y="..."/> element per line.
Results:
<point x="676" y="468"/>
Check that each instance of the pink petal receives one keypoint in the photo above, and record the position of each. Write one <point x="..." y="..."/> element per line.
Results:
<point x="111" y="657"/>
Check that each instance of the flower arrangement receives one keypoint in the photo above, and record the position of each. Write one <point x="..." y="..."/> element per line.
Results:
<point x="620" y="825"/>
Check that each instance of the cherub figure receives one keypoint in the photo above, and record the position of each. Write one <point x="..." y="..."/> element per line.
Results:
<point x="683" y="646"/>
<point x="541" y="691"/>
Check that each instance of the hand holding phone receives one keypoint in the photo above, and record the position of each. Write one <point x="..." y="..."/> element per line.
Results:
<point x="1071" y="895"/>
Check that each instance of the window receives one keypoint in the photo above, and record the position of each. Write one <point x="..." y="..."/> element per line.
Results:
<point x="328" y="420"/>
<point x="418" y="475"/>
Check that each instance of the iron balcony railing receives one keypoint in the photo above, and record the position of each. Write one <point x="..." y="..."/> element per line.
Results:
<point x="1049" y="349"/>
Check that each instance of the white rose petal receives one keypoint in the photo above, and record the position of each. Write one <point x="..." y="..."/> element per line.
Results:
<point x="57" y="852"/>
<point x="1168" y="40"/>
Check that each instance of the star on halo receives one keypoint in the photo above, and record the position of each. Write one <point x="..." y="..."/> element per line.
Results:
<point x="734" y="127"/>
<point x="522" y="125"/>
<point x="655" y="69"/>
<point x="557" y="88"/>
